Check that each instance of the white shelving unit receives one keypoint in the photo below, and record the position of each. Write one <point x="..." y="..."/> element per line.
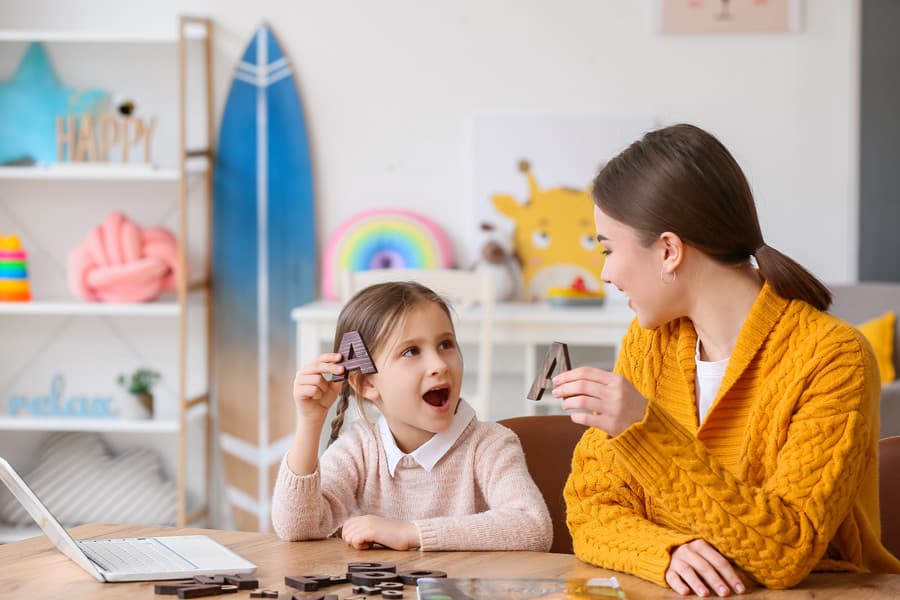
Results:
<point x="40" y="202"/>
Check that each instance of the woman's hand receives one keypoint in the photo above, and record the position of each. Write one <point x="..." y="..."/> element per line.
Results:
<point x="698" y="567"/>
<point x="313" y="394"/>
<point x="362" y="532"/>
<point x="613" y="403"/>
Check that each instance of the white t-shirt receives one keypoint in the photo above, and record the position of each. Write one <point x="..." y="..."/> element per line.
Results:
<point x="709" y="380"/>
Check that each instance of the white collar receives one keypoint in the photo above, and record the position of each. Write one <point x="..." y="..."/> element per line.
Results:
<point x="428" y="454"/>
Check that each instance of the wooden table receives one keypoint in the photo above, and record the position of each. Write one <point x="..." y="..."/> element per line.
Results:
<point x="34" y="569"/>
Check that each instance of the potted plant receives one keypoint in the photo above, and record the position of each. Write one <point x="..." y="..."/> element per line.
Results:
<point x="140" y="385"/>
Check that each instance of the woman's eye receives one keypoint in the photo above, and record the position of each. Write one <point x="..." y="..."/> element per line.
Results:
<point x="540" y="239"/>
<point x="588" y="242"/>
<point x="606" y="252"/>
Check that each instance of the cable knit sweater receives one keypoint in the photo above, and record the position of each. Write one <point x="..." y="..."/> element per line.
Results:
<point x="781" y="477"/>
<point x="479" y="496"/>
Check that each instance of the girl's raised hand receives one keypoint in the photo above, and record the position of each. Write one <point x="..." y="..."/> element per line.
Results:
<point x="313" y="394"/>
<point x="610" y="401"/>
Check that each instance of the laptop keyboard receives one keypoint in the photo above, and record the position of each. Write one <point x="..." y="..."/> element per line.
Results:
<point x="134" y="555"/>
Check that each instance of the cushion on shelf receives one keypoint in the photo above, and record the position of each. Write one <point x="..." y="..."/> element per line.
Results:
<point x="81" y="481"/>
<point x="880" y="333"/>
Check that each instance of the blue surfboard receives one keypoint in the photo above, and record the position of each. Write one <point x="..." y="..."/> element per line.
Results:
<point x="264" y="264"/>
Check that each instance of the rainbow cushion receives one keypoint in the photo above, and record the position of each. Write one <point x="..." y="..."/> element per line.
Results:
<point x="384" y="239"/>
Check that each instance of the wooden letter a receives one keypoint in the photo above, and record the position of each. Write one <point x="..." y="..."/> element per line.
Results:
<point x="557" y="355"/>
<point x="356" y="356"/>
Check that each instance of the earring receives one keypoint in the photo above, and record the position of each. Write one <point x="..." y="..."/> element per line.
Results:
<point x="662" y="277"/>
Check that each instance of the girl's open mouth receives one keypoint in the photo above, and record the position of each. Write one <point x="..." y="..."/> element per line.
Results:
<point x="437" y="397"/>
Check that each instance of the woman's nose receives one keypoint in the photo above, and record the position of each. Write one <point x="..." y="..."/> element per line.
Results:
<point x="603" y="274"/>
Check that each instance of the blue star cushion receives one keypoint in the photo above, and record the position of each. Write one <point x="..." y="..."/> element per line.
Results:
<point x="30" y="103"/>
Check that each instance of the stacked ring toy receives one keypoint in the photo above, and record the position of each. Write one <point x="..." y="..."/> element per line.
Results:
<point x="14" y="285"/>
<point x="384" y="239"/>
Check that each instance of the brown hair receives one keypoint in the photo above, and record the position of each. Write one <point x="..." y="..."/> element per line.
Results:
<point x="682" y="179"/>
<point x="374" y="312"/>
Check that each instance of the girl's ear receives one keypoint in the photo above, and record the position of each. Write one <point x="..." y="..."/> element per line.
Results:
<point x="673" y="251"/>
<point x="363" y="387"/>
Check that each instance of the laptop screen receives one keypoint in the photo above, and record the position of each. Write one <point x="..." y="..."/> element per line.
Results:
<point x="45" y="519"/>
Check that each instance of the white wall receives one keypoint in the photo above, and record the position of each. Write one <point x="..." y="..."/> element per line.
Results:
<point x="388" y="88"/>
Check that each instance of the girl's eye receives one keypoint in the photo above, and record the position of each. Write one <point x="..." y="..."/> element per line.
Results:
<point x="606" y="252"/>
<point x="540" y="239"/>
<point x="447" y="344"/>
<point x="588" y="242"/>
<point x="410" y="352"/>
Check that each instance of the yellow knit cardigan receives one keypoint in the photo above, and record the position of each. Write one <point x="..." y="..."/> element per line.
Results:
<point x="782" y="477"/>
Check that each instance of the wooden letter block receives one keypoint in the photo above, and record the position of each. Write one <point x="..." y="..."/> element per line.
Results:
<point x="371" y="577"/>
<point x="356" y="356"/>
<point x="244" y="582"/>
<point x="170" y="588"/>
<point x="199" y="591"/>
<point x="371" y="566"/>
<point x="411" y="577"/>
<point x="305" y="583"/>
<point x="390" y="585"/>
<point x="557" y="356"/>
<point x="367" y="590"/>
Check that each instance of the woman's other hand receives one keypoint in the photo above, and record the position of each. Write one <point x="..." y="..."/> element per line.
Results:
<point x="699" y="568"/>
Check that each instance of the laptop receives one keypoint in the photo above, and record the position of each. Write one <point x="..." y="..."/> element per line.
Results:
<point x="130" y="559"/>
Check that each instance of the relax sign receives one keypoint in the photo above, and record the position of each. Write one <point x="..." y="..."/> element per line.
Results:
<point x="56" y="404"/>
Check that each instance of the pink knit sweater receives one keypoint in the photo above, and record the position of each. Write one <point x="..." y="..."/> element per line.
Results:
<point x="479" y="496"/>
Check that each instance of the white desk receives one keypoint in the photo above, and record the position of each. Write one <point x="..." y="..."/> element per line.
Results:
<point x="521" y="323"/>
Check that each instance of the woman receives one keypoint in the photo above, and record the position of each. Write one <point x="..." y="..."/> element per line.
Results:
<point x="738" y="433"/>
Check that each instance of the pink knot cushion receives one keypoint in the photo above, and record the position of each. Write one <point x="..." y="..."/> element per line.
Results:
<point x="120" y="262"/>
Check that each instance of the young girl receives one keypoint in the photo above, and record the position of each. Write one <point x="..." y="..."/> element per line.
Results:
<point x="739" y="431"/>
<point x="428" y="474"/>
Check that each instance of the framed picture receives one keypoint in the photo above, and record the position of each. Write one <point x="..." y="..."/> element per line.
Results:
<point x="690" y="17"/>
<point x="530" y="179"/>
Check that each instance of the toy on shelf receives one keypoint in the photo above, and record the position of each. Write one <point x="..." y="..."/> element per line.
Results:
<point x="577" y="294"/>
<point x="31" y="101"/>
<point x="384" y="239"/>
<point x="496" y="256"/>
<point x="13" y="270"/>
<point x="120" y="262"/>
<point x="554" y="236"/>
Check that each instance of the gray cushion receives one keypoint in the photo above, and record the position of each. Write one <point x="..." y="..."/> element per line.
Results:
<point x="81" y="481"/>
<point x="890" y="409"/>
<point x="859" y="302"/>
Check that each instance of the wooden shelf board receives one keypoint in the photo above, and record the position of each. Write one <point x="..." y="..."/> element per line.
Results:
<point x="112" y="425"/>
<point x="14" y="533"/>
<point x="145" y="309"/>
<point x="99" y="172"/>
<point x="191" y="32"/>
